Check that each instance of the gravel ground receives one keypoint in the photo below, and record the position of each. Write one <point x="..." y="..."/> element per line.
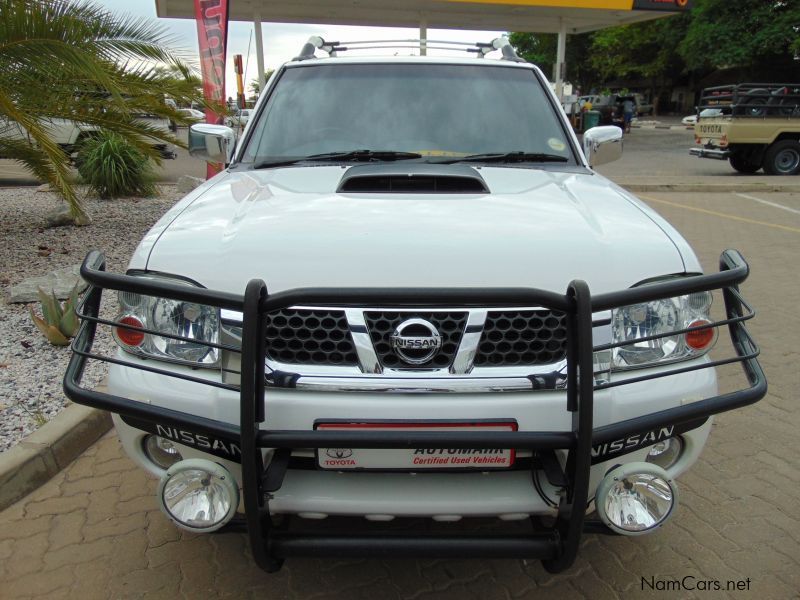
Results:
<point x="30" y="368"/>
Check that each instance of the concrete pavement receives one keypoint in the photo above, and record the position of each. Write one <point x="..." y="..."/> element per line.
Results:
<point x="94" y="530"/>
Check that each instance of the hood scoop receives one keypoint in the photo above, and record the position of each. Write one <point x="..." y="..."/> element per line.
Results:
<point x="412" y="178"/>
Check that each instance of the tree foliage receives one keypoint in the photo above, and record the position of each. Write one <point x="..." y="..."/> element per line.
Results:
<point x="714" y="34"/>
<point x="540" y="49"/>
<point x="742" y="33"/>
<point x="76" y="61"/>
<point x="646" y="50"/>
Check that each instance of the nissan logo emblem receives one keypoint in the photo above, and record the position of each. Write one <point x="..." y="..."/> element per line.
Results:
<point x="416" y="341"/>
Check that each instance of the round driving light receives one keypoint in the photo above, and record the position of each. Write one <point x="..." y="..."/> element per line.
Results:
<point x="666" y="452"/>
<point x="127" y="336"/>
<point x="161" y="451"/>
<point x="198" y="495"/>
<point x="636" y="498"/>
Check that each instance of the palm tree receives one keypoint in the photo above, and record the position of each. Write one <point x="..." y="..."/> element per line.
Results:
<point x="77" y="61"/>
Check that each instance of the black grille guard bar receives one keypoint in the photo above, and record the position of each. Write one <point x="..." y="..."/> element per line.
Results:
<point x="557" y="547"/>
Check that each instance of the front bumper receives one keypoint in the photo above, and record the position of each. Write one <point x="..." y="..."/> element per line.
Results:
<point x="716" y="153"/>
<point x="266" y="449"/>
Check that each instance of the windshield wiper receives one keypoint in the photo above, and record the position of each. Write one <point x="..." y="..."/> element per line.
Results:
<point x="345" y="156"/>
<point x="516" y="156"/>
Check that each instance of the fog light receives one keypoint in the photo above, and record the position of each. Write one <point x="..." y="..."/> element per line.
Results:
<point x="198" y="495"/>
<point x="636" y="498"/>
<point x="666" y="452"/>
<point x="161" y="451"/>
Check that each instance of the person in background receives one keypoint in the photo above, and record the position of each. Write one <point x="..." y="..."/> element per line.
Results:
<point x="628" y="106"/>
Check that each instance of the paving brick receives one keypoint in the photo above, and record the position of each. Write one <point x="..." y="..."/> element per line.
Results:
<point x="56" y="505"/>
<point x="37" y="585"/>
<point x="114" y="527"/>
<point x="23" y="528"/>
<point x="66" y="529"/>
<point x="146" y="581"/>
<point x="75" y="554"/>
<point x="26" y="556"/>
<point x="91" y="581"/>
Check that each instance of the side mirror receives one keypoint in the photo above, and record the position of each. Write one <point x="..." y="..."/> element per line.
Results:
<point x="602" y="145"/>
<point x="213" y="143"/>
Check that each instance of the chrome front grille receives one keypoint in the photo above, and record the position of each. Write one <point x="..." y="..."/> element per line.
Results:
<point x="310" y="337"/>
<point x="350" y="349"/>
<point x="381" y="325"/>
<point x="522" y="337"/>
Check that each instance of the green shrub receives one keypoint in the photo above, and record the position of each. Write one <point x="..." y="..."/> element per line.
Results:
<point x="114" y="168"/>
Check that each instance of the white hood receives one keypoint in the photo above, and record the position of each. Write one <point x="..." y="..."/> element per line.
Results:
<point x="287" y="226"/>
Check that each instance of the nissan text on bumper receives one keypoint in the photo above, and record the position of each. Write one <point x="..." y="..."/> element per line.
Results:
<point x="437" y="330"/>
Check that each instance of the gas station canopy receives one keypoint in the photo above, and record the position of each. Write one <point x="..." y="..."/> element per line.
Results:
<point x="563" y="17"/>
<point x="543" y="16"/>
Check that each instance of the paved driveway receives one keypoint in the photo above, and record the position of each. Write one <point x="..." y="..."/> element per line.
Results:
<point x="94" y="530"/>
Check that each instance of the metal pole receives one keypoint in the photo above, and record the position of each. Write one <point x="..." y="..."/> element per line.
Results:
<point x="262" y="80"/>
<point x="423" y="37"/>
<point x="560" y="65"/>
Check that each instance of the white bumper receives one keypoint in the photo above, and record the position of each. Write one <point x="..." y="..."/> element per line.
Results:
<point x="381" y="496"/>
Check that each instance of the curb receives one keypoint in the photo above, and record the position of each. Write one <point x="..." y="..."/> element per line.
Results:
<point x="672" y="127"/>
<point x="41" y="455"/>
<point x="711" y="188"/>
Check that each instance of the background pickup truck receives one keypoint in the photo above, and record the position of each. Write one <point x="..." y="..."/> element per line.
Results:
<point x="753" y="126"/>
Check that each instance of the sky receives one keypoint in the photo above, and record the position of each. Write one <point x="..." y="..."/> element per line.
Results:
<point x="282" y="41"/>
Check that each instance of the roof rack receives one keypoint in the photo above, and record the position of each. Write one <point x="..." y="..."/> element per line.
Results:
<point x="315" y="43"/>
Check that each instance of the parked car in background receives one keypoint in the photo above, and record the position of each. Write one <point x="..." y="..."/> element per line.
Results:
<point x="691" y="120"/>
<point x="69" y="134"/>
<point x="582" y="100"/>
<point x="193" y="114"/>
<point x="643" y="107"/>
<point x="238" y="119"/>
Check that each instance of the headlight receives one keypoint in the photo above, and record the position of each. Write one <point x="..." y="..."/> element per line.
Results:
<point x="197" y="324"/>
<point x="632" y="323"/>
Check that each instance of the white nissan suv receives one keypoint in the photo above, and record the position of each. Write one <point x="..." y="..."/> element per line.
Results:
<point x="409" y="295"/>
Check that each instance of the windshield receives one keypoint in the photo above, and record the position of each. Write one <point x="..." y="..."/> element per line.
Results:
<point x="433" y="110"/>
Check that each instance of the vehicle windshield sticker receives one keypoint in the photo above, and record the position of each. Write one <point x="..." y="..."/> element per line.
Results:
<point x="556" y="144"/>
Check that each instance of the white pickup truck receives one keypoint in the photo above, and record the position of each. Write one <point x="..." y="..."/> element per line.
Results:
<point x="409" y="295"/>
<point x="69" y="134"/>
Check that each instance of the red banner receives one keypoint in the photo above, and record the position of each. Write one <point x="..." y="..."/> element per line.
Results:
<point x="212" y="37"/>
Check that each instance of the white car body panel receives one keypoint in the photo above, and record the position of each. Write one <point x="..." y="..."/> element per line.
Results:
<point x="288" y="227"/>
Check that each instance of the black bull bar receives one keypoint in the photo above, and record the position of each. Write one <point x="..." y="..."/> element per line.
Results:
<point x="557" y="546"/>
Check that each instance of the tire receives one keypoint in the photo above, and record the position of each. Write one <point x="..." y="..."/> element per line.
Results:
<point x="755" y="107"/>
<point x="742" y="164"/>
<point x="783" y="158"/>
